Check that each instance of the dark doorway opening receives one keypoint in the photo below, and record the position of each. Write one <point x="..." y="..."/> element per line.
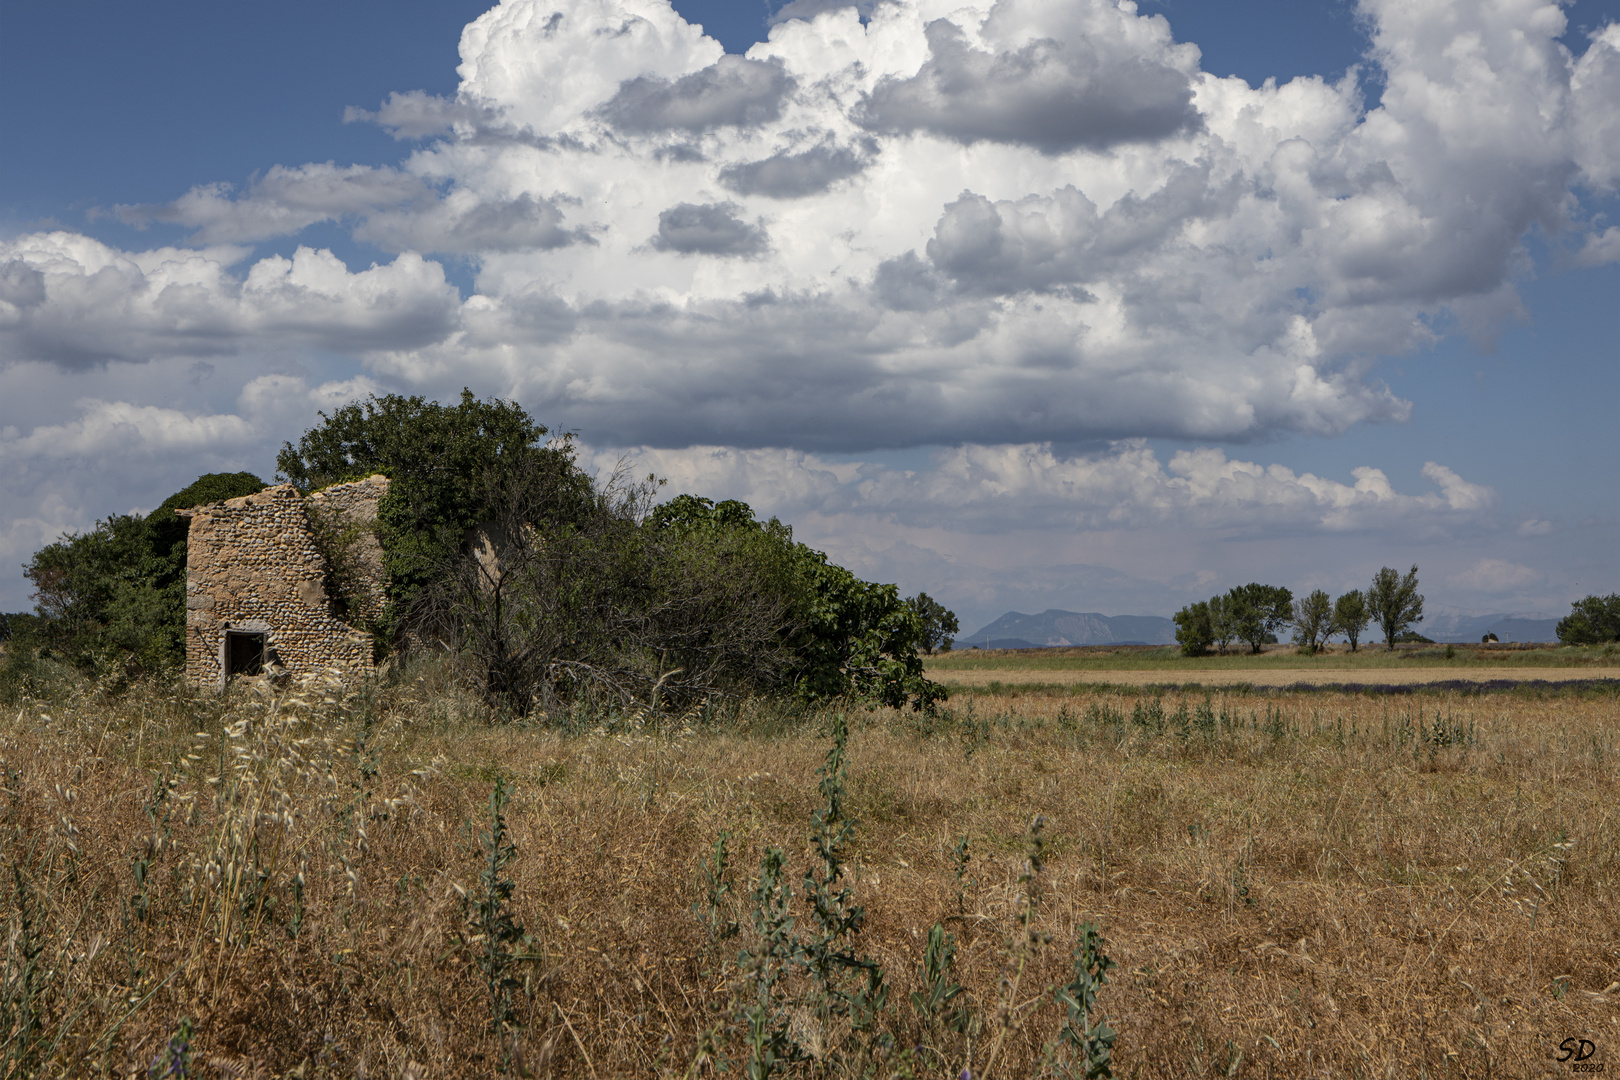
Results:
<point x="244" y="653"/>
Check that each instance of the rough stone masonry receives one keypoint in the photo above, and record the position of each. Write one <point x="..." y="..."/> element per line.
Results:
<point x="255" y="592"/>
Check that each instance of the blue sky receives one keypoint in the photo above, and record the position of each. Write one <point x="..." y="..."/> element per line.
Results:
<point x="1046" y="421"/>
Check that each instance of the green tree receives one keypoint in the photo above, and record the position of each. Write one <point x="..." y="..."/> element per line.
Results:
<point x="445" y="463"/>
<point x="1255" y="612"/>
<point x="113" y="598"/>
<point x="939" y="625"/>
<point x="1313" y="620"/>
<point x="1194" y="632"/>
<point x="1350" y="616"/>
<point x="1394" y="603"/>
<point x="1592" y="620"/>
<point x="1220" y="629"/>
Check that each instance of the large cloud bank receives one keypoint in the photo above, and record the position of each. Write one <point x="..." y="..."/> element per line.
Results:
<point x="997" y="227"/>
<point x="992" y="223"/>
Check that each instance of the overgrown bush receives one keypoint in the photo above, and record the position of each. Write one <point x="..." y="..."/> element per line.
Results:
<point x="689" y="600"/>
<point x="443" y="463"/>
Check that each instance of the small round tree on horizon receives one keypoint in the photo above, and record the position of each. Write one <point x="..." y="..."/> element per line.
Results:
<point x="1350" y="616"/>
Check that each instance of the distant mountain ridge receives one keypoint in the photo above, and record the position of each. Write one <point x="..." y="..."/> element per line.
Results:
<point x="1506" y="627"/>
<point x="1056" y="628"/>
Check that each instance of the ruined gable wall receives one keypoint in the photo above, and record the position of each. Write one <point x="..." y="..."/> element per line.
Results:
<point x="252" y="563"/>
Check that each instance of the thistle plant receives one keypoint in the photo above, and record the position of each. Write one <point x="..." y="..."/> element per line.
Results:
<point x="147" y="848"/>
<point x="764" y="1018"/>
<point x="960" y="858"/>
<point x="711" y="906"/>
<point x="21" y="990"/>
<point x="830" y="956"/>
<point x="490" y="916"/>
<point x="788" y="978"/>
<point x="1094" y="1039"/>
<point x="1029" y="942"/>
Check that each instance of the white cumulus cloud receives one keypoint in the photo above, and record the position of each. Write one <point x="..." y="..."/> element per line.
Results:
<point x="1003" y="221"/>
<point x="989" y="489"/>
<point x="1494" y="576"/>
<point x="74" y="301"/>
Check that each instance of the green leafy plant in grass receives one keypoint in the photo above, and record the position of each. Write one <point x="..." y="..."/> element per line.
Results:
<point x="787" y="977"/>
<point x="766" y="965"/>
<point x="960" y="858"/>
<point x="1092" y="1039"/>
<point x="936" y="1005"/>
<point x="713" y="906"/>
<point x="496" y="930"/>
<point x="830" y="955"/>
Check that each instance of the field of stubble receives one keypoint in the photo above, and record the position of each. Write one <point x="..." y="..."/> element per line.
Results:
<point x="1289" y="884"/>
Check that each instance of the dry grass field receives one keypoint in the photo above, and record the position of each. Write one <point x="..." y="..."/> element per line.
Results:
<point x="1290" y="884"/>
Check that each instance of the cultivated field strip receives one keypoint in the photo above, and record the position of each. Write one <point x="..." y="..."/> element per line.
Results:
<point x="1303" y="675"/>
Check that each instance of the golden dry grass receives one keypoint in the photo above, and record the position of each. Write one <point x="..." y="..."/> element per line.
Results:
<point x="1316" y="885"/>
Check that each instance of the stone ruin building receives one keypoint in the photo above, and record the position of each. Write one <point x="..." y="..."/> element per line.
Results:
<point x="256" y="592"/>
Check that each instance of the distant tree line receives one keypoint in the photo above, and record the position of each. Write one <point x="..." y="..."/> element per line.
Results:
<point x="596" y="592"/>
<point x="1254" y="614"/>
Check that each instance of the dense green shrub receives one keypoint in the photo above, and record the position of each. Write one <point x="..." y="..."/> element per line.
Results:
<point x="586" y="590"/>
<point x="842" y="636"/>
<point x="1195" y="628"/>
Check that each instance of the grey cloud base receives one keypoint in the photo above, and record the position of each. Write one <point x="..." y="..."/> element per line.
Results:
<point x="710" y="229"/>
<point x="732" y="91"/>
<point x="796" y="175"/>
<point x="1056" y="96"/>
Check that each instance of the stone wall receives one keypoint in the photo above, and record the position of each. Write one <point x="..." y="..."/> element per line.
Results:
<point x="253" y="566"/>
